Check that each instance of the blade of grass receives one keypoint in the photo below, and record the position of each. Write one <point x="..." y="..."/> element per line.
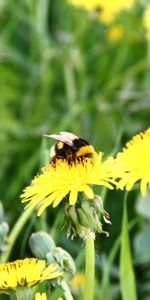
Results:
<point x="127" y="277"/>
<point x="105" y="283"/>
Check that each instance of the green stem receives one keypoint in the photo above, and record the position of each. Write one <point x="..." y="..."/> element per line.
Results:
<point x="90" y="269"/>
<point x="66" y="290"/>
<point x="148" y="69"/>
<point x="15" y="232"/>
<point x="57" y="225"/>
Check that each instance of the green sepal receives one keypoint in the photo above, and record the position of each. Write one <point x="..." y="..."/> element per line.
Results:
<point x="21" y="293"/>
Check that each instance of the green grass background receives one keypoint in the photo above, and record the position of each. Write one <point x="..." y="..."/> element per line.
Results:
<point x="60" y="72"/>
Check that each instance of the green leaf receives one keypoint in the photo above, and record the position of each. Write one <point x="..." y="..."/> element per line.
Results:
<point x="127" y="277"/>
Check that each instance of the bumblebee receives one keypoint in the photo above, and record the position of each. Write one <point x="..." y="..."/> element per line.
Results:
<point x="69" y="147"/>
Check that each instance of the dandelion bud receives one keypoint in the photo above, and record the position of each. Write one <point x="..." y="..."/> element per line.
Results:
<point x="64" y="260"/>
<point x="40" y="244"/>
<point x="84" y="217"/>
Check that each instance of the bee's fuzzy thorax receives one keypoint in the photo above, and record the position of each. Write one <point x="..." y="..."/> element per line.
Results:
<point x="70" y="147"/>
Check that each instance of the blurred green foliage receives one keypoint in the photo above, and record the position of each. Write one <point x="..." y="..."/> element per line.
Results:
<point x="59" y="71"/>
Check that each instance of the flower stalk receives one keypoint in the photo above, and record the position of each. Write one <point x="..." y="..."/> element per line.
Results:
<point x="15" y="233"/>
<point x="90" y="268"/>
<point x="66" y="290"/>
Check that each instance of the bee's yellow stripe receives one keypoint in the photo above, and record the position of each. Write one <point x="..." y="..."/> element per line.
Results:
<point x="85" y="150"/>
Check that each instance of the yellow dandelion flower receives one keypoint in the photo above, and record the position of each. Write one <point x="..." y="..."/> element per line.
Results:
<point x="115" y="33"/>
<point x="107" y="9"/>
<point x="134" y="161"/>
<point x="40" y="296"/>
<point x="146" y="19"/>
<point x="110" y="9"/>
<point x="25" y="272"/>
<point x="62" y="179"/>
<point x="78" y="281"/>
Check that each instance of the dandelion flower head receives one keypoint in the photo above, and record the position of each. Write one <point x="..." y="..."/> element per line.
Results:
<point x="62" y="178"/>
<point x="40" y="296"/>
<point x="115" y="33"/>
<point x="28" y="271"/>
<point x="78" y="281"/>
<point x="146" y="20"/>
<point x="134" y="161"/>
<point x="107" y="9"/>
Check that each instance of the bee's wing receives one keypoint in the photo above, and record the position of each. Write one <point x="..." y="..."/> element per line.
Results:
<point x="64" y="136"/>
